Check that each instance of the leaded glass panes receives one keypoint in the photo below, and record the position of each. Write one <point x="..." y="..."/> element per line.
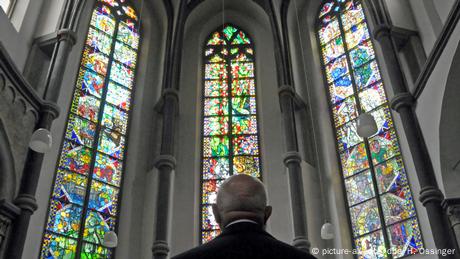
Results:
<point x="84" y="201"/>
<point x="379" y="198"/>
<point x="230" y="129"/>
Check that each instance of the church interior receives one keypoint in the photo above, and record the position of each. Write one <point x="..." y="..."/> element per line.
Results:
<point x="119" y="120"/>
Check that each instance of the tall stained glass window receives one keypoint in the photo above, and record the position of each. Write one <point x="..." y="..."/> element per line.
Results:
<point x="379" y="199"/>
<point x="85" y="197"/>
<point x="230" y="130"/>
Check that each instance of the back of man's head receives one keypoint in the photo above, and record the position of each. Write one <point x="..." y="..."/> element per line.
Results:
<point x="241" y="197"/>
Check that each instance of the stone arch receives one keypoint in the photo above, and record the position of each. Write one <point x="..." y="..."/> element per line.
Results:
<point x="7" y="174"/>
<point x="449" y="131"/>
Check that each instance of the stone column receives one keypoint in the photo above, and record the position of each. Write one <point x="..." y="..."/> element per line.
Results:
<point x="292" y="160"/>
<point x="26" y="198"/>
<point x="8" y="212"/>
<point x="452" y="208"/>
<point x="165" y="164"/>
<point x="31" y="174"/>
<point x="403" y="102"/>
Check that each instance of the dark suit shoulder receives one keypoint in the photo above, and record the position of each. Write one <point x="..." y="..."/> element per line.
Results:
<point x="245" y="241"/>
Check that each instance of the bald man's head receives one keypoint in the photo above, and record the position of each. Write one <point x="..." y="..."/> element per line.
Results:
<point x="241" y="197"/>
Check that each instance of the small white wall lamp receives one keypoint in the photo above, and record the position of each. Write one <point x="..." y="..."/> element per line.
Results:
<point x="327" y="231"/>
<point x="41" y="141"/>
<point x="366" y="125"/>
<point x="110" y="239"/>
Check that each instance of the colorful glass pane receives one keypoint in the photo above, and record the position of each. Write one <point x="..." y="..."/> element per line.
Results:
<point x="383" y="119"/>
<point x="229" y="31"/>
<point x="70" y="187"/>
<point x="207" y="236"/>
<point x="347" y="136"/>
<point x="128" y="35"/>
<point x="390" y="193"/>
<point x="357" y="34"/>
<point x="344" y="111"/>
<point x="329" y="31"/>
<point x="244" y="125"/>
<point x="359" y="188"/>
<point x="333" y="50"/>
<point x="115" y="119"/>
<point x="100" y="105"/>
<point x="216" y="168"/>
<point x="398" y="205"/>
<point x="241" y="38"/>
<point x="372" y="97"/>
<point x="119" y="96"/>
<point x="405" y="238"/>
<point x="242" y="69"/>
<point x="55" y="246"/>
<point x="249" y="165"/>
<point x="215" y="106"/>
<point x="122" y="75"/>
<point x="354" y="160"/>
<point x="208" y="220"/>
<point x="216" y="39"/>
<point x="371" y="246"/>
<point x="352" y="16"/>
<point x="391" y="176"/>
<point x="103" y="20"/>
<point x="246" y="145"/>
<point x="80" y="131"/>
<point x="215" y="146"/>
<point x="111" y="143"/>
<point x="215" y="126"/>
<point x="216" y="71"/>
<point x="103" y="198"/>
<point x="125" y="55"/>
<point x="99" y="41"/>
<point x="85" y="106"/>
<point x="326" y="8"/>
<point x="367" y="75"/>
<point x="90" y="83"/>
<point x="210" y="188"/>
<point x="91" y="251"/>
<point x="341" y="89"/>
<point x="64" y="218"/>
<point x="362" y="54"/>
<point x="383" y="146"/>
<point x="336" y="69"/>
<point x="215" y="88"/>
<point x="244" y="105"/>
<point x="228" y="58"/>
<point x="107" y="169"/>
<point x="75" y="157"/>
<point x="243" y="87"/>
<point x="96" y="226"/>
<point x="95" y="60"/>
<point x="365" y="217"/>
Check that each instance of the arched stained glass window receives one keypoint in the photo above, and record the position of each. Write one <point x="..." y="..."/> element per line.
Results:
<point x="230" y="129"/>
<point x="379" y="199"/>
<point x="85" y="197"/>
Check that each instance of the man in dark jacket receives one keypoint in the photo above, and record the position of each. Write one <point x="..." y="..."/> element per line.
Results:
<point x="242" y="212"/>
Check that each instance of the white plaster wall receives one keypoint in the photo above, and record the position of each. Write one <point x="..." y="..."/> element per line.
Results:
<point x="48" y="23"/>
<point x="17" y="34"/>
<point x="428" y="22"/>
<point x="186" y="216"/>
<point x="401" y="14"/>
<point x="429" y="104"/>
<point x="443" y="8"/>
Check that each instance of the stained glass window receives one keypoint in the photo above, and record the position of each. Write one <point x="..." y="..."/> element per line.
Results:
<point x="230" y="129"/>
<point x="382" y="211"/>
<point x="85" y="198"/>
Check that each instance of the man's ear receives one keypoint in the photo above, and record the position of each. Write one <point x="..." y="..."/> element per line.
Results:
<point x="215" y="211"/>
<point x="268" y="213"/>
